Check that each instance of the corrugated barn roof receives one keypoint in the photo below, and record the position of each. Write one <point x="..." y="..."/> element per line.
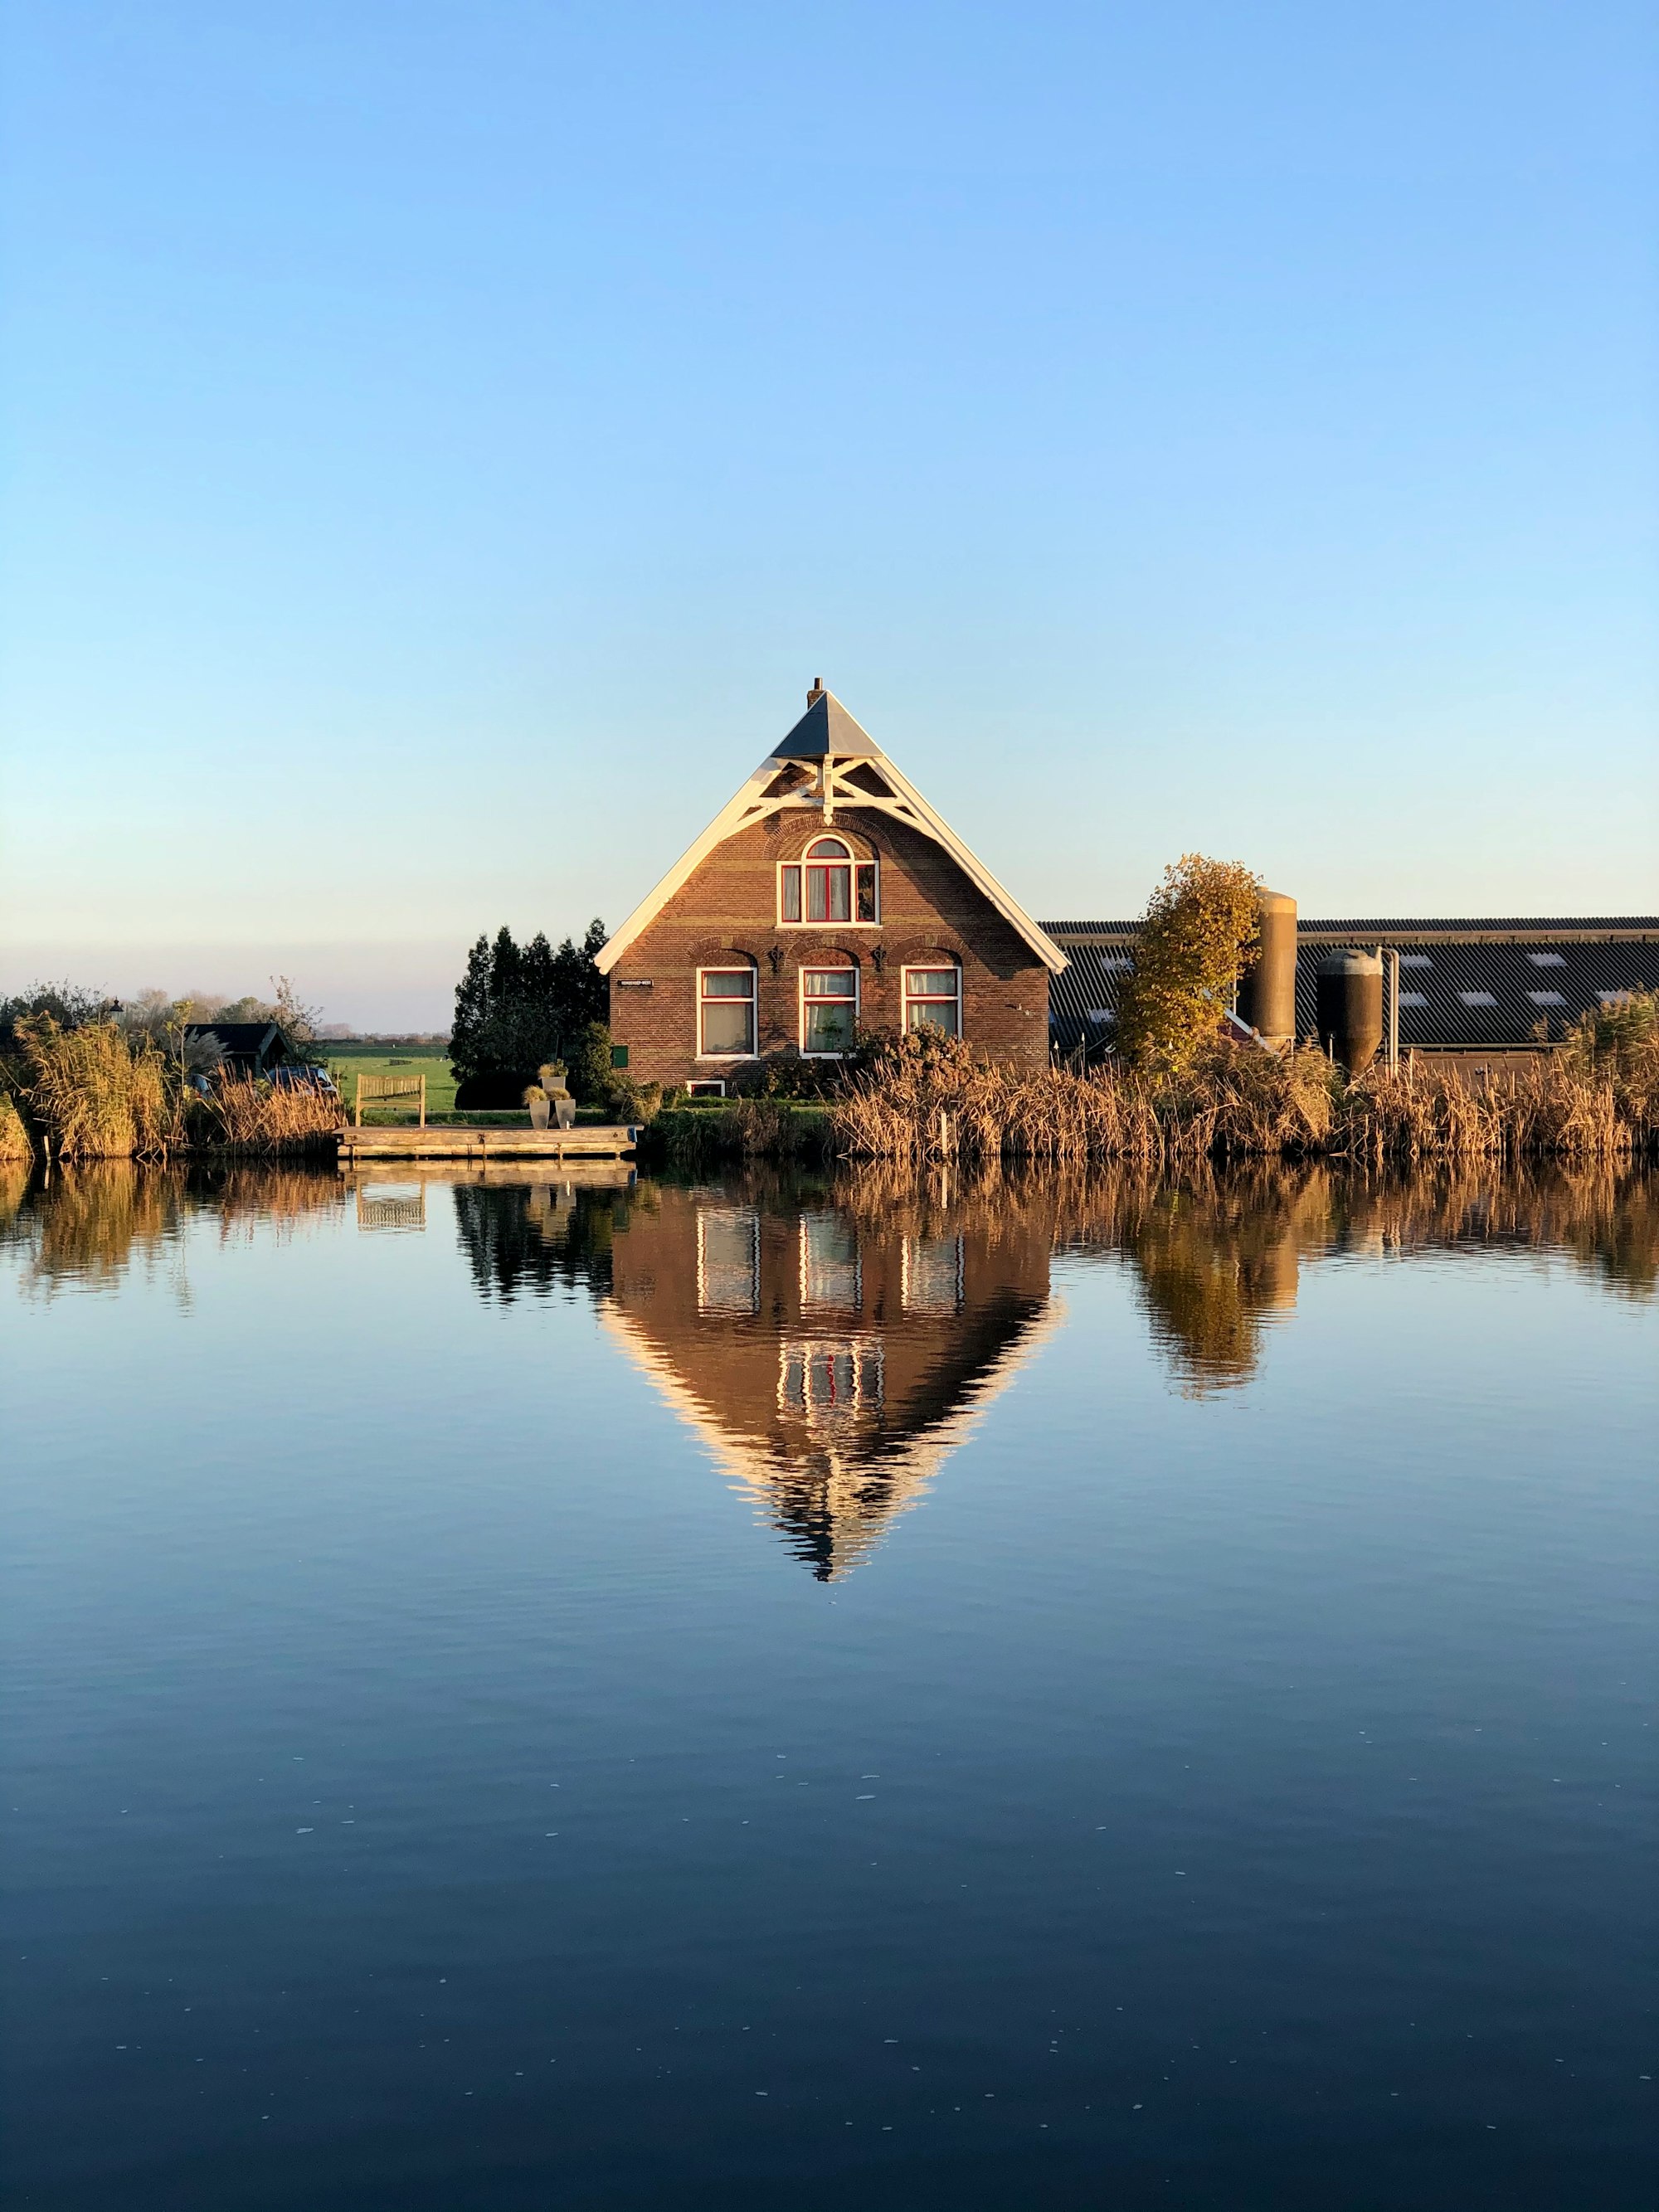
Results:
<point x="1467" y="983"/>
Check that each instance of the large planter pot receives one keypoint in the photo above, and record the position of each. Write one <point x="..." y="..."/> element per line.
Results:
<point x="539" y="1109"/>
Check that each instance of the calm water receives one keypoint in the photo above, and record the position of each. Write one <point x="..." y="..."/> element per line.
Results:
<point x="757" y="1695"/>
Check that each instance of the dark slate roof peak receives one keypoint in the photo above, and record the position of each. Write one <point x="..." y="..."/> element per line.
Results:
<point x="825" y="728"/>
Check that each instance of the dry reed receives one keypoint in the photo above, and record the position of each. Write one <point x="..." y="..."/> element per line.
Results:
<point x="929" y="1099"/>
<point x="92" y="1094"/>
<point x="14" y="1144"/>
<point x="239" y="1115"/>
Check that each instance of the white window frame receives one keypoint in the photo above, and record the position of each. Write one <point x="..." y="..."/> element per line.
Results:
<point x="736" y="967"/>
<point x="811" y="1303"/>
<point x="910" y="1269"/>
<point x="747" y="1219"/>
<point x="853" y="864"/>
<point x="824" y="968"/>
<point x="932" y="998"/>
<point x="798" y="1357"/>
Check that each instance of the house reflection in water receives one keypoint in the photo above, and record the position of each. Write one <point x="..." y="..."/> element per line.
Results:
<point x="830" y="1357"/>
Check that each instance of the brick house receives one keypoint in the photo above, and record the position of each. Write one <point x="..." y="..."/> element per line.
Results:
<point x="825" y="898"/>
<point x="831" y="1359"/>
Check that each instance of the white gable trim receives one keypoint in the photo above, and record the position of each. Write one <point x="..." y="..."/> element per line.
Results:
<point x="749" y="803"/>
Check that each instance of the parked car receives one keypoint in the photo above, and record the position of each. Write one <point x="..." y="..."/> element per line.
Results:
<point x="304" y="1078"/>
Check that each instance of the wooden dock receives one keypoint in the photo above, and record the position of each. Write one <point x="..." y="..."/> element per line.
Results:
<point x="481" y="1146"/>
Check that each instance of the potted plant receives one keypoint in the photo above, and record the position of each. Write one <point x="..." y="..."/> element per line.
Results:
<point x="539" y="1104"/>
<point x="558" y="1094"/>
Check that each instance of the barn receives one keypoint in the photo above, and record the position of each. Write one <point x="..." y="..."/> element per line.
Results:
<point x="827" y="898"/>
<point x="1507" y="985"/>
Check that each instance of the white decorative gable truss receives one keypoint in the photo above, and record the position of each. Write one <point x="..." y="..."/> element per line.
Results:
<point x="826" y="760"/>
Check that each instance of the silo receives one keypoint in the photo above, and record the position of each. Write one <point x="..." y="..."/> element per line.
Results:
<point x="1348" y="995"/>
<point x="1267" y="992"/>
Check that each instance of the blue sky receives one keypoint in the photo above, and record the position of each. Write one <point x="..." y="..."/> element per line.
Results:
<point x="441" y="443"/>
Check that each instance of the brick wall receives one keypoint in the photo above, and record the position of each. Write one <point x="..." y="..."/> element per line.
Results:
<point x="724" y="915"/>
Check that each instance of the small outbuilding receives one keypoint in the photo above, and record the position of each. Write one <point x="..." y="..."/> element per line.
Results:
<point x="255" y="1049"/>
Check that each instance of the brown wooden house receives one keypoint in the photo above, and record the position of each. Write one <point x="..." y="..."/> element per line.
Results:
<point x="826" y="898"/>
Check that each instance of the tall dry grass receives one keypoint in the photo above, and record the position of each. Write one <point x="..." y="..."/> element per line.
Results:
<point x="14" y="1144"/>
<point x="930" y="1099"/>
<point x="238" y="1115"/>
<point x="100" y="1092"/>
<point x="1547" y="1109"/>
<point x="92" y="1094"/>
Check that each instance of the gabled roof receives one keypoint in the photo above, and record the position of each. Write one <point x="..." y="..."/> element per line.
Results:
<point x="827" y="727"/>
<point x="242" y="1040"/>
<point x="827" y="733"/>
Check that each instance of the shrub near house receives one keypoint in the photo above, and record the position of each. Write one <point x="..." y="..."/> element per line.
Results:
<point x="826" y="900"/>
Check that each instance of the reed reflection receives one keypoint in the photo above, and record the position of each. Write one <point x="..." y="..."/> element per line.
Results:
<point x="83" y="1228"/>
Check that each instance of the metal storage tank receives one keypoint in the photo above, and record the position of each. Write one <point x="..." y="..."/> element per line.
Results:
<point x="1348" y="996"/>
<point x="1266" y="994"/>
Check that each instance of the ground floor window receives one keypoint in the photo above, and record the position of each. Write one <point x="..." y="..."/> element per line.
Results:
<point x="932" y="1000"/>
<point x="930" y="1275"/>
<point x="830" y="1379"/>
<point x="828" y="1009"/>
<point x="728" y="1260"/>
<point x="831" y="1270"/>
<point x="726" y="1013"/>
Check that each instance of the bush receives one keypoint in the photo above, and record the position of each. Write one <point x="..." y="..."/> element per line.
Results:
<point x="588" y="1072"/>
<point x="69" y="1005"/>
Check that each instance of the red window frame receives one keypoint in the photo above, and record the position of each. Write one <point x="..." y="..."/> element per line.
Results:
<point x="827" y="888"/>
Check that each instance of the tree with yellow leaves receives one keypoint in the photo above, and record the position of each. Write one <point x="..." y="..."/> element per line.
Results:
<point x="1198" y="936"/>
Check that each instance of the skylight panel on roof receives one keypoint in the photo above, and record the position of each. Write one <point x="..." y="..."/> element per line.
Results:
<point x="1416" y="960"/>
<point x="1546" y="959"/>
<point x="1547" y="997"/>
<point x="1413" y="997"/>
<point x="1101" y="1017"/>
<point x="1478" y="998"/>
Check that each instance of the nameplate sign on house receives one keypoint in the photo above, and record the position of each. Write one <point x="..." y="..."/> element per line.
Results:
<point x="633" y="982"/>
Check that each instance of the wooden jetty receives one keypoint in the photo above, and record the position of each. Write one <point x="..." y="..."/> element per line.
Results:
<point x="480" y="1147"/>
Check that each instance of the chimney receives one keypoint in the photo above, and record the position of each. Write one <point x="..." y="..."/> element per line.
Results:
<point x="816" y="691"/>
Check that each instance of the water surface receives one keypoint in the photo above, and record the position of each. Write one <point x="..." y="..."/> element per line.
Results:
<point x="538" y="1693"/>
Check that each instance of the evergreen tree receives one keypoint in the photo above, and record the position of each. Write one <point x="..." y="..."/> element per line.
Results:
<point x="473" y="998"/>
<point x="517" y="1006"/>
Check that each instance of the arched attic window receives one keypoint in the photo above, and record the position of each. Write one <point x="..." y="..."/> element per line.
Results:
<point x="826" y="885"/>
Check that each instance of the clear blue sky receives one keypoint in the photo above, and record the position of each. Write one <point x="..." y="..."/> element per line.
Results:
<point x="441" y="443"/>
